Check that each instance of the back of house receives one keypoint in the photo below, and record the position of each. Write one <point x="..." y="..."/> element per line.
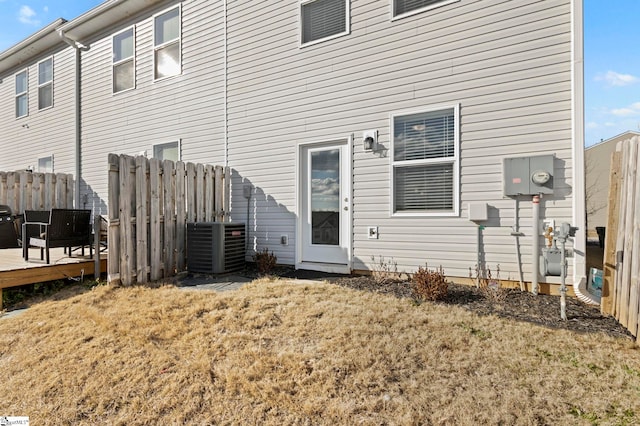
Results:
<point x="407" y="132"/>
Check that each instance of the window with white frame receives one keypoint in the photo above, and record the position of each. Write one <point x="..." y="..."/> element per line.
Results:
<point x="124" y="66"/>
<point x="166" y="42"/>
<point x="22" y="97"/>
<point x="425" y="161"/>
<point x="167" y="151"/>
<point x="410" y="7"/>
<point x="45" y="84"/>
<point x="323" y="19"/>
<point x="45" y="164"/>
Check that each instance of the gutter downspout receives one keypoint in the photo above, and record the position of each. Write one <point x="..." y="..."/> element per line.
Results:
<point x="577" y="131"/>
<point x="78" y="47"/>
<point x="225" y="78"/>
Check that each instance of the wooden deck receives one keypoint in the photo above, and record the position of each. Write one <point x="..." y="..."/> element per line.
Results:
<point x="15" y="271"/>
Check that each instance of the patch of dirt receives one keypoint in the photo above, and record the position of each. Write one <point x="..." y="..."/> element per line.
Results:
<point x="513" y="304"/>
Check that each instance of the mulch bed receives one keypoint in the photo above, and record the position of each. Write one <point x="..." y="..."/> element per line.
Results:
<point x="513" y="304"/>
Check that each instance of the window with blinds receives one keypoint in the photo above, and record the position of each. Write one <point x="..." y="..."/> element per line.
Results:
<point x="167" y="56"/>
<point x="425" y="162"/>
<point x="323" y="19"/>
<point x="409" y="7"/>
<point x="22" y="97"/>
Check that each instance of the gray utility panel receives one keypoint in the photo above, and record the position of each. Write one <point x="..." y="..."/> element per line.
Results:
<point x="528" y="175"/>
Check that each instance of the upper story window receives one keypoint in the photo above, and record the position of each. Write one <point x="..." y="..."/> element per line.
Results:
<point x="45" y="84"/>
<point x="124" y="66"/>
<point x="426" y="162"/>
<point x="323" y="19"/>
<point x="22" y="97"/>
<point x="167" y="151"/>
<point x="410" y="7"/>
<point x="166" y="41"/>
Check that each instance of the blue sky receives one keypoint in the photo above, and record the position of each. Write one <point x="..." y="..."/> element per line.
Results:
<point x="612" y="63"/>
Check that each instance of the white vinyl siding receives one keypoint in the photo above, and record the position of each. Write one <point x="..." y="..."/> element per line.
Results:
<point x="425" y="162"/>
<point x="323" y="19"/>
<point x="124" y="63"/>
<point x="403" y="8"/>
<point x="22" y="94"/>
<point x="167" y="53"/>
<point x="45" y="84"/>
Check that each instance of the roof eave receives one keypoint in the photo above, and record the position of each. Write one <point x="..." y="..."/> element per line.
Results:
<point x="103" y="16"/>
<point x="30" y="47"/>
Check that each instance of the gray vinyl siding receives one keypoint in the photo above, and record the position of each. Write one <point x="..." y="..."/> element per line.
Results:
<point x="44" y="132"/>
<point x="188" y="107"/>
<point x="507" y="64"/>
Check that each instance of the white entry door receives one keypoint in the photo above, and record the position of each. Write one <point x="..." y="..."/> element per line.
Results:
<point x="325" y="224"/>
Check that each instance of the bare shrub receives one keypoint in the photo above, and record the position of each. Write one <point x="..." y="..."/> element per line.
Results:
<point x="265" y="261"/>
<point x="429" y="284"/>
<point x="490" y="288"/>
<point x="384" y="271"/>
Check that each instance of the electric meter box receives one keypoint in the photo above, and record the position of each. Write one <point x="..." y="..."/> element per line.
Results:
<point x="528" y="175"/>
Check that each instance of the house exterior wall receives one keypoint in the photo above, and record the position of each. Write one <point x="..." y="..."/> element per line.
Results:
<point x="506" y="64"/>
<point x="186" y="108"/>
<point x="45" y="132"/>
<point x="597" y="171"/>
<point x="249" y="96"/>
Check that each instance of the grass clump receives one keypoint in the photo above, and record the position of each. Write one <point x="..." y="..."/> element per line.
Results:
<point x="429" y="285"/>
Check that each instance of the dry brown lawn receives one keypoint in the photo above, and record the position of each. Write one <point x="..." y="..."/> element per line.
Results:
<point x="281" y="353"/>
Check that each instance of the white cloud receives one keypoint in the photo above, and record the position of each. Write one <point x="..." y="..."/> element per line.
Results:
<point x="592" y="125"/>
<point x="613" y="78"/>
<point x="629" y="111"/>
<point x="26" y="15"/>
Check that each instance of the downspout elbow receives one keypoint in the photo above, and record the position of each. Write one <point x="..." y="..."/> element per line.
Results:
<point x="75" y="44"/>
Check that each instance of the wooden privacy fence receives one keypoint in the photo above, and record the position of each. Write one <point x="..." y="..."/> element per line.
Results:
<point x="621" y="287"/>
<point x="26" y="190"/>
<point x="150" y="203"/>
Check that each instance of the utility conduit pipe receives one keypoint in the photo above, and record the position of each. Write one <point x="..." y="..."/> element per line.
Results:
<point x="535" y="246"/>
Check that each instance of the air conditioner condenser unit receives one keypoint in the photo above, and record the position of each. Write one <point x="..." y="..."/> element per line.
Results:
<point x="215" y="247"/>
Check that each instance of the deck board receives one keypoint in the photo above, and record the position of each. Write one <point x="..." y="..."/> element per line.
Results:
<point x="15" y="271"/>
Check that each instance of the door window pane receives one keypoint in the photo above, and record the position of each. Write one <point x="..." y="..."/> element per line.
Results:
<point x="325" y="197"/>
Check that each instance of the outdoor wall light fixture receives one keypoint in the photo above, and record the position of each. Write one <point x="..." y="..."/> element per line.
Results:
<point x="370" y="140"/>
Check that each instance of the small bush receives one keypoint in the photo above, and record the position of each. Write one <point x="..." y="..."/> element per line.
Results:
<point x="265" y="261"/>
<point x="384" y="271"/>
<point x="429" y="284"/>
<point x="490" y="288"/>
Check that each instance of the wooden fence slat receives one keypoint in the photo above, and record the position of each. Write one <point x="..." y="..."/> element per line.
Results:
<point x="227" y="194"/>
<point x="168" y="178"/>
<point x="621" y="234"/>
<point x="191" y="192"/>
<point x="609" y="261"/>
<point x="219" y="193"/>
<point x="209" y="191"/>
<point x="635" y="249"/>
<point x="3" y="188"/>
<point x="625" y="289"/>
<point x="113" y="263"/>
<point x="632" y="322"/>
<point x="181" y="216"/>
<point x="155" y="189"/>
<point x="127" y="230"/>
<point x="201" y="180"/>
<point x="142" y="237"/>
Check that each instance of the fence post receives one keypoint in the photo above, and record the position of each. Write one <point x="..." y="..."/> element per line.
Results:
<point x="113" y="263"/>
<point x="155" y="189"/>
<point x="142" y="214"/>
<point x="609" y="263"/>
<point x="169" y="217"/>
